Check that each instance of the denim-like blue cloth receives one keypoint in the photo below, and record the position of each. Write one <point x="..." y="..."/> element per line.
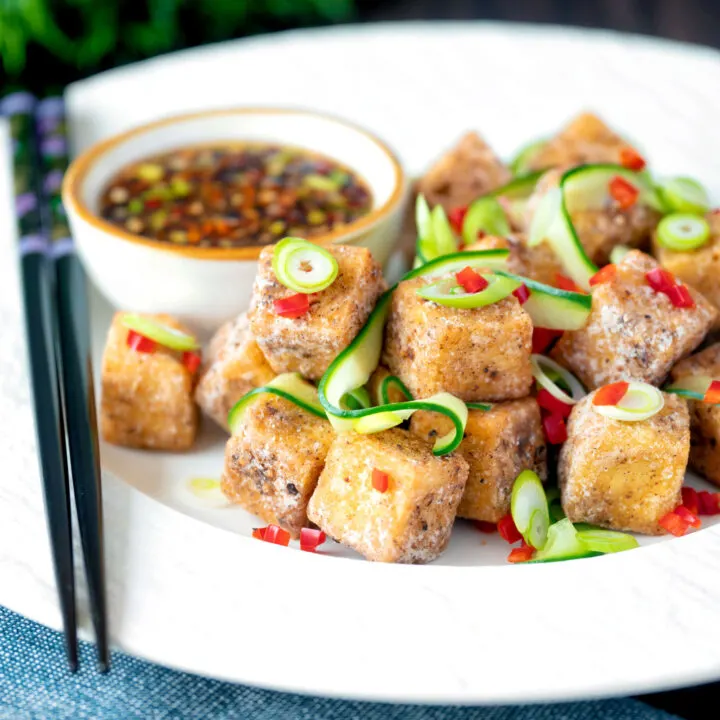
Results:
<point x="35" y="685"/>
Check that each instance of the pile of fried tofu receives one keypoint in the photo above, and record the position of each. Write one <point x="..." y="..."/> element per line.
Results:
<point x="289" y="467"/>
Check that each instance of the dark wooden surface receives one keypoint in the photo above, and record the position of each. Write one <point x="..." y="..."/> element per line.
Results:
<point x="689" y="20"/>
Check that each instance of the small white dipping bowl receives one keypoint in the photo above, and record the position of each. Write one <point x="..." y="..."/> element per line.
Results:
<point x="206" y="286"/>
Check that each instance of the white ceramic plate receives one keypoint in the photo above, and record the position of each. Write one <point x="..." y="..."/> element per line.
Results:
<point x="189" y="588"/>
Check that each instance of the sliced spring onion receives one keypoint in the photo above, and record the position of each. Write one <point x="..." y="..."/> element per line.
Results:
<point x="552" y="308"/>
<point x="640" y="402"/>
<point x="539" y="363"/>
<point x="289" y="386"/>
<point x="159" y="333"/>
<point x="485" y="215"/>
<point x="522" y="161"/>
<point x="618" y="253"/>
<point x="475" y="259"/>
<point x="448" y="293"/>
<point x="435" y="235"/>
<point x="357" y="399"/>
<point x="605" y="541"/>
<point x="529" y="508"/>
<point x="422" y="217"/>
<point x="692" y="387"/>
<point x="683" y="194"/>
<point x="683" y="232"/>
<point x="445" y="242"/>
<point x="352" y="368"/>
<point x="303" y="266"/>
<point x="563" y="543"/>
<point x="389" y="382"/>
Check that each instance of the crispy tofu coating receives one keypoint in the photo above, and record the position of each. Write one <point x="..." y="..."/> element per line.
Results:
<point x="498" y="445"/>
<point x="309" y="344"/>
<point x="408" y="523"/>
<point x="477" y="354"/>
<point x="586" y="140"/>
<point x="466" y="172"/>
<point x="147" y="398"/>
<point x="624" y="475"/>
<point x="633" y="332"/>
<point x="600" y="231"/>
<point x="235" y="366"/>
<point x="537" y="263"/>
<point x="699" y="268"/>
<point x="274" y="460"/>
<point x="704" y="418"/>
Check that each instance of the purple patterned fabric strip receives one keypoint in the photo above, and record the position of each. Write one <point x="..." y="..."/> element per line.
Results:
<point x="33" y="244"/>
<point x="17" y="103"/>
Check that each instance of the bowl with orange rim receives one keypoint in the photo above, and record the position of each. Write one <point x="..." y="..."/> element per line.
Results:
<point x="171" y="216"/>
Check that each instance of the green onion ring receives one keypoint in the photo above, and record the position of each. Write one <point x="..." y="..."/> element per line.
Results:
<point x="303" y="266"/>
<point x="682" y="232"/>
<point x="577" y="390"/>
<point x="640" y="402"/>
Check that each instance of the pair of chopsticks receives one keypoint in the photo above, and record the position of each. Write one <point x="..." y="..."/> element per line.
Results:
<point x="58" y="339"/>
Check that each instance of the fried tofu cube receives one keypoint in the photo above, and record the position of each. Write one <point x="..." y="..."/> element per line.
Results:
<point x="147" y="398"/>
<point x="475" y="354"/>
<point x="699" y="268"/>
<point x="235" y="366"/>
<point x="498" y="445"/>
<point x="586" y="140"/>
<point x="704" y="417"/>
<point x="309" y="343"/>
<point x="274" y="460"/>
<point x="624" y="475"/>
<point x="411" y="520"/>
<point x="468" y="171"/>
<point x="633" y="332"/>
<point x="599" y="231"/>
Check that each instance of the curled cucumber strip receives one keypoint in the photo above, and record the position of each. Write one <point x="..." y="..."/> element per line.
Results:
<point x="389" y="382"/>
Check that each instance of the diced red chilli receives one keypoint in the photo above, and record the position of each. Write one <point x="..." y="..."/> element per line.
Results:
<point x="292" y="307"/>
<point x="690" y="500"/>
<point x="471" y="281"/>
<point x="712" y="394"/>
<point x="522" y="294"/>
<point x="680" y="296"/>
<point x="542" y="339"/>
<point x="688" y="516"/>
<point x="486" y="527"/>
<point x="276" y="535"/>
<point x="610" y="394"/>
<point x="507" y="529"/>
<point x="660" y="280"/>
<point x="631" y="159"/>
<point x="153" y="204"/>
<point x="606" y="274"/>
<point x="456" y="217"/>
<point x="555" y="429"/>
<point x="674" y="524"/>
<point x="563" y="282"/>
<point x="623" y="193"/>
<point x="259" y="533"/>
<point x="140" y="343"/>
<point x="311" y="539"/>
<point x="380" y="480"/>
<point x="549" y="402"/>
<point x="708" y="503"/>
<point x="192" y="361"/>
<point x="521" y="554"/>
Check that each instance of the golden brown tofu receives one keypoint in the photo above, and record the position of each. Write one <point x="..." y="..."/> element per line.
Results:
<point x="537" y="263"/>
<point x="235" y="366"/>
<point x="498" y="445"/>
<point x="147" y="398"/>
<point x="600" y="231"/>
<point x="624" y="475"/>
<point x="471" y="169"/>
<point x="408" y="523"/>
<point x="274" y="460"/>
<point x="704" y="417"/>
<point x="308" y="344"/>
<point x="633" y="332"/>
<point x="477" y="354"/>
<point x="586" y="140"/>
<point x="699" y="268"/>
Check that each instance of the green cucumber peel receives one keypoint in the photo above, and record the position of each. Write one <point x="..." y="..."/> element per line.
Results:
<point x="490" y="259"/>
<point x="388" y="382"/>
<point x="357" y="399"/>
<point x="289" y="386"/>
<point x="485" y="215"/>
<point x="604" y="541"/>
<point x="162" y="334"/>
<point x="563" y="543"/>
<point x="479" y="406"/>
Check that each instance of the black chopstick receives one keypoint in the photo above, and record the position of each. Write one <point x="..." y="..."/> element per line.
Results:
<point x="40" y="328"/>
<point x="76" y="365"/>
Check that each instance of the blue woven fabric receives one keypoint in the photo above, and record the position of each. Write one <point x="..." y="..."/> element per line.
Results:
<point x="35" y="685"/>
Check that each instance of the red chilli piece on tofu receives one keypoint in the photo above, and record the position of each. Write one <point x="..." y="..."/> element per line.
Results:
<point x="486" y="527"/>
<point x="276" y="535"/>
<point x="606" y="274"/>
<point x="690" y="500"/>
<point x="522" y="294"/>
<point x="708" y="503"/>
<point x="555" y="429"/>
<point x="140" y="343"/>
<point x="611" y="394"/>
<point x="563" y="282"/>
<point x="311" y="539"/>
<point x="259" y="533"/>
<point x="549" y="402"/>
<point x="471" y="281"/>
<point x="712" y="394"/>
<point x="680" y="296"/>
<point x="380" y="480"/>
<point x="542" y="339"/>
<point x="660" y="280"/>
<point x="623" y="193"/>
<point x="456" y="218"/>
<point x="674" y="524"/>
<point x="192" y="361"/>
<point x="688" y="516"/>
<point x="293" y="306"/>
<point x="631" y="159"/>
<point x="508" y="531"/>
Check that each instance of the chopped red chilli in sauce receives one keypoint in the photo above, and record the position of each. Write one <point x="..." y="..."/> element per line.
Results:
<point x="623" y="193"/>
<point x="234" y="196"/>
